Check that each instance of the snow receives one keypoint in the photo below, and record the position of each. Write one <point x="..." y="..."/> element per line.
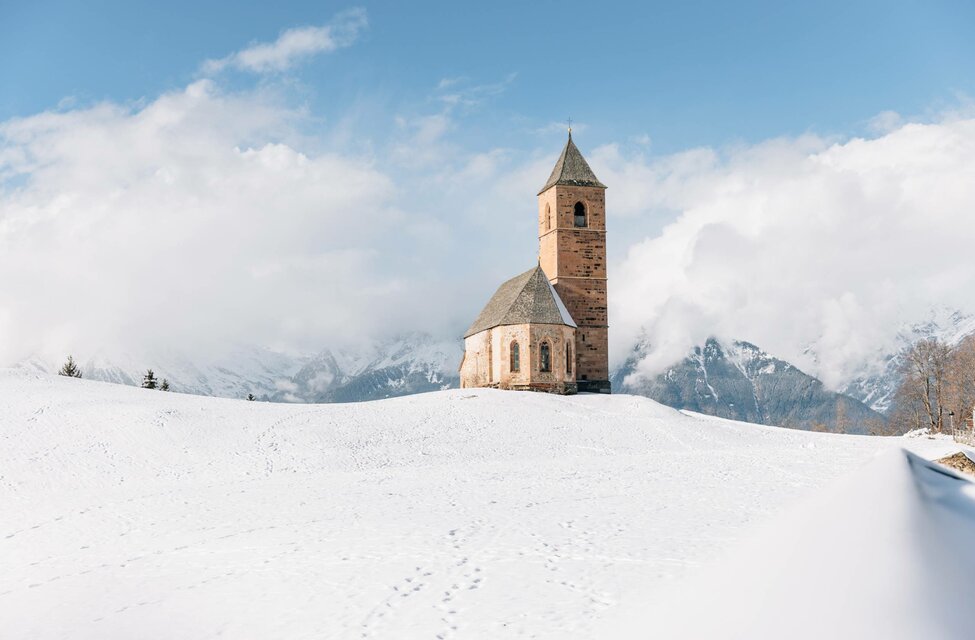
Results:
<point x="133" y="513"/>
<point x="885" y="553"/>
<point x="563" y="310"/>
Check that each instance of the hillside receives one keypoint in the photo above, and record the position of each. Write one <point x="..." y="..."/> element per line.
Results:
<point x="482" y="514"/>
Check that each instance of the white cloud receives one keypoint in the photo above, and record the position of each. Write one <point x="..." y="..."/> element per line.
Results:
<point x="795" y="243"/>
<point x="187" y="220"/>
<point x="294" y="45"/>
<point x="885" y="122"/>
<point x="642" y="139"/>
<point x="459" y="92"/>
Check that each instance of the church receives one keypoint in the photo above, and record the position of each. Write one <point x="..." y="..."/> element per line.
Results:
<point x="547" y="329"/>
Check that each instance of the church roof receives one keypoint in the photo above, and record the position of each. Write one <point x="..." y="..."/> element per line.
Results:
<point x="526" y="298"/>
<point x="572" y="169"/>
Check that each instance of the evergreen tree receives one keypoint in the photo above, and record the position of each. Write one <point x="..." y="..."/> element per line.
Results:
<point x="165" y="385"/>
<point x="250" y="396"/>
<point x="70" y="369"/>
<point x="149" y="380"/>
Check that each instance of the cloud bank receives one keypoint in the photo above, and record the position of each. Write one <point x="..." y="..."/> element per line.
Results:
<point x="190" y="218"/>
<point x="815" y="249"/>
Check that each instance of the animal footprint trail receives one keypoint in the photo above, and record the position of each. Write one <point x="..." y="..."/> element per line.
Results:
<point x="401" y="593"/>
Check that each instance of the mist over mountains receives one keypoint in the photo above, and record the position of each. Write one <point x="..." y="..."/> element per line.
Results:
<point x="407" y="364"/>
<point x="739" y="381"/>
<point x="727" y="378"/>
<point x="876" y="385"/>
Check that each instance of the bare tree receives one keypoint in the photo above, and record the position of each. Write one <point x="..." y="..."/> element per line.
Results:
<point x="960" y="381"/>
<point x="921" y="398"/>
<point x="876" y="427"/>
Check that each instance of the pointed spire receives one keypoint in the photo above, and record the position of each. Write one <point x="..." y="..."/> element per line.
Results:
<point x="572" y="169"/>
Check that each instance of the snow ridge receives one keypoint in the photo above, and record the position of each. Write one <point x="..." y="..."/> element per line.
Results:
<point x="458" y="513"/>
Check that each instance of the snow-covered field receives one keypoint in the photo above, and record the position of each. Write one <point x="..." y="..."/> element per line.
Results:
<point x="127" y="513"/>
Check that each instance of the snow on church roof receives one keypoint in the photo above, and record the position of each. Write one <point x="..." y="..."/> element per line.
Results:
<point x="526" y="298"/>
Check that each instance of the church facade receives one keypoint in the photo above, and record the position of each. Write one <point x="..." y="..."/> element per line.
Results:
<point x="548" y="329"/>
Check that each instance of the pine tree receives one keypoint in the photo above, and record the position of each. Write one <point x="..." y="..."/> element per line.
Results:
<point x="165" y="385"/>
<point x="70" y="369"/>
<point x="251" y="397"/>
<point x="149" y="380"/>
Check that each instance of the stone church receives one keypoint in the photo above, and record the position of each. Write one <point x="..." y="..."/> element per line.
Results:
<point x="547" y="329"/>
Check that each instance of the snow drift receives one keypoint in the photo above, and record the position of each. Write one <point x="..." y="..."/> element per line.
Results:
<point x="133" y="513"/>
<point x="886" y="553"/>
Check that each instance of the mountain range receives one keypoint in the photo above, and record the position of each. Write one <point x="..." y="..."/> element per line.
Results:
<point x="407" y="364"/>
<point x="730" y="379"/>
<point x="739" y="381"/>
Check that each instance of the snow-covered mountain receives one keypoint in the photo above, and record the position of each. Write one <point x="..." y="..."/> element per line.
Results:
<point x="878" y="382"/>
<point x="412" y="363"/>
<point x="231" y="371"/>
<point x="738" y="380"/>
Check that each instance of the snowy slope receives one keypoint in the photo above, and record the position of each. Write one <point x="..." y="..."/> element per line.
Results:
<point x="884" y="553"/>
<point x="485" y="514"/>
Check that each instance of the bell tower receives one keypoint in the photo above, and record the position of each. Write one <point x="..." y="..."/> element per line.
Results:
<point x="572" y="253"/>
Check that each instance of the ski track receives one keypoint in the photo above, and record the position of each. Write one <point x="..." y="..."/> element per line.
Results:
<point x="130" y="513"/>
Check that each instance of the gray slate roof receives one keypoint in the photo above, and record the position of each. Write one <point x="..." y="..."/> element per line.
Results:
<point x="572" y="169"/>
<point x="526" y="298"/>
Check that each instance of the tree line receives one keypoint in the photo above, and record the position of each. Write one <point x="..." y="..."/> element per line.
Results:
<point x="937" y="387"/>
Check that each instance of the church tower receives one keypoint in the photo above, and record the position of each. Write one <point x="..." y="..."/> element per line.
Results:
<point x="572" y="253"/>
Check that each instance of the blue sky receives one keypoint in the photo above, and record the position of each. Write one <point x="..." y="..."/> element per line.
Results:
<point x="684" y="73"/>
<point x="325" y="173"/>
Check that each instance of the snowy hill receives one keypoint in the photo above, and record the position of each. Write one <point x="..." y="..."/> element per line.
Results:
<point x="133" y="513"/>
<point x="886" y="553"/>
<point x="876" y="385"/>
<point x="737" y="380"/>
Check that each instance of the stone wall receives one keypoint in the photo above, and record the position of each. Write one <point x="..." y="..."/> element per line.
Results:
<point x="574" y="259"/>
<point x="475" y="368"/>
<point x="487" y="358"/>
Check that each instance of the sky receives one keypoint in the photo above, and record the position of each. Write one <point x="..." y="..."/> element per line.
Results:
<point x="307" y="175"/>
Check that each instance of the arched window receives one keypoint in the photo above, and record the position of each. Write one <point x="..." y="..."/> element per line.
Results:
<point x="515" y="357"/>
<point x="568" y="357"/>
<point x="545" y="358"/>
<point x="580" y="215"/>
<point x="548" y="217"/>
